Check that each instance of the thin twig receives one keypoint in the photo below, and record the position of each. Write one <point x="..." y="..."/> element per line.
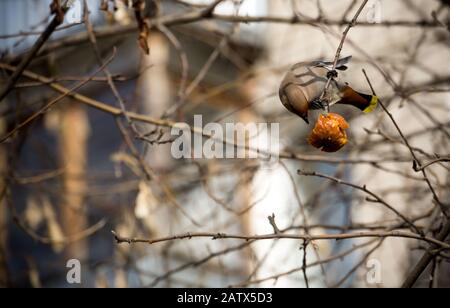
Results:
<point x="416" y="162"/>
<point x="219" y="236"/>
<point x="367" y="191"/>
<point x="332" y="74"/>
<point x="56" y="100"/>
<point x="56" y="21"/>
<point x="304" y="262"/>
<point x="273" y="224"/>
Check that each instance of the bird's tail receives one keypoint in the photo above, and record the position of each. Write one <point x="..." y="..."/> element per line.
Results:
<point x="364" y="102"/>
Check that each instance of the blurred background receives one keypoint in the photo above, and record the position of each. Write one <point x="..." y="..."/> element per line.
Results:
<point x="76" y="173"/>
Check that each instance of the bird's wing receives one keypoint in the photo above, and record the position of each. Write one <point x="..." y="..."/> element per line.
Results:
<point x="342" y="62"/>
<point x="340" y="65"/>
<point x="293" y="98"/>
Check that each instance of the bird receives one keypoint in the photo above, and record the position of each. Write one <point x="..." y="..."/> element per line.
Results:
<point x="303" y="86"/>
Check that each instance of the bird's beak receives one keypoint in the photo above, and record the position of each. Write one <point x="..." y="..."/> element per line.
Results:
<point x="305" y="118"/>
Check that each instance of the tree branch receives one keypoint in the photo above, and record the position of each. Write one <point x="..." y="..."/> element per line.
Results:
<point x="56" y="21"/>
<point x="367" y="191"/>
<point x="428" y="256"/>
<point x="217" y="236"/>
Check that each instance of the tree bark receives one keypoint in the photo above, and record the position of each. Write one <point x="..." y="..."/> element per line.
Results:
<point x="4" y="281"/>
<point x="74" y="133"/>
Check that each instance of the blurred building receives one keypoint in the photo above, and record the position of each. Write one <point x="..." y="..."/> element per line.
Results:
<point x="89" y="179"/>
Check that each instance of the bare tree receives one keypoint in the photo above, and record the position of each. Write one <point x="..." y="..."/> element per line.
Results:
<point x="91" y="108"/>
